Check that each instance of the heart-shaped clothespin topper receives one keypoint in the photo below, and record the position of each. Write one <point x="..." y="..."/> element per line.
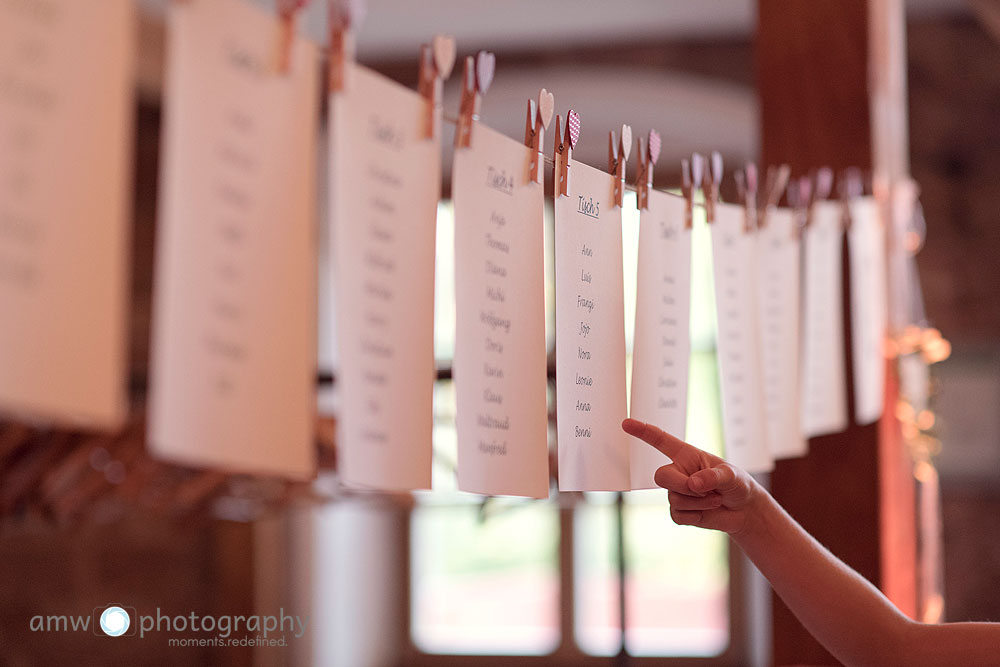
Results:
<point x="697" y="169"/>
<point x="626" y="141"/>
<point x="716" y="167"/>
<point x="852" y="183"/>
<point x="546" y="106"/>
<point x="288" y="7"/>
<point x="805" y="189"/>
<point x="751" y="177"/>
<point x="824" y="182"/>
<point x="654" y="146"/>
<point x="573" y="127"/>
<point x="486" y="64"/>
<point x="350" y="13"/>
<point x="444" y="54"/>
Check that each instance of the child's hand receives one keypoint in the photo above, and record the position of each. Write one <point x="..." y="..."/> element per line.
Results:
<point x="704" y="490"/>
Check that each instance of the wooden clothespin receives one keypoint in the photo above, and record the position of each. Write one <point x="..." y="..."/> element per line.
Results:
<point x="800" y="199"/>
<point x="476" y="80"/>
<point x="774" y="187"/>
<point x="649" y="153"/>
<point x="564" y="145"/>
<point x="343" y="17"/>
<point x="712" y="179"/>
<point x="822" y="183"/>
<point x="437" y="59"/>
<point x="618" y="152"/>
<point x="690" y="181"/>
<point x="287" y="11"/>
<point x="852" y="186"/>
<point x="538" y="120"/>
<point x="746" y="185"/>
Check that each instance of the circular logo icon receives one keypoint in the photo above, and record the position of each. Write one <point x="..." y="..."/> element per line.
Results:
<point x="115" y="621"/>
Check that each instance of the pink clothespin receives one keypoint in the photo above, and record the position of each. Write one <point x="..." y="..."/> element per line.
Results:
<point x="287" y="11"/>
<point x="538" y="119"/>
<point x="343" y="17"/>
<point x="437" y="59"/>
<point x="649" y="153"/>
<point x="746" y="185"/>
<point x="476" y="80"/>
<point x="618" y="152"/>
<point x="564" y="145"/>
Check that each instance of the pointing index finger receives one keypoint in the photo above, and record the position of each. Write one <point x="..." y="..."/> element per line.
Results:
<point x="656" y="437"/>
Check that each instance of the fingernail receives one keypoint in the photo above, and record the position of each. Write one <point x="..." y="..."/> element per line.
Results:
<point x="695" y="483"/>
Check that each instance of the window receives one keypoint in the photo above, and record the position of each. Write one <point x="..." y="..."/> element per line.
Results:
<point x="487" y="575"/>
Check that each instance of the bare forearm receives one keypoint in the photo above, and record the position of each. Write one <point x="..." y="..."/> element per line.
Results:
<point x="848" y="615"/>
<point x="844" y="611"/>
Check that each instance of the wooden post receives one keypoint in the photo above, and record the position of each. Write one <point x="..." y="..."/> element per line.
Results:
<point x="831" y="80"/>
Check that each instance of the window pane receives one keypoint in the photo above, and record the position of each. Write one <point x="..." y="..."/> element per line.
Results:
<point x="486" y="585"/>
<point x="595" y="575"/>
<point x="484" y="578"/>
<point x="677" y="594"/>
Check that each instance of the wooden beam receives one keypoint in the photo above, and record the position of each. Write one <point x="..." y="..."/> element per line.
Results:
<point x="832" y="90"/>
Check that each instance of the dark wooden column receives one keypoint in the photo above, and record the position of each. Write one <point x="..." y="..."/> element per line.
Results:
<point x="815" y="64"/>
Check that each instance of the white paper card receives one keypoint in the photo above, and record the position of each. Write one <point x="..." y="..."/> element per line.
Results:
<point x="824" y="383"/>
<point x="869" y="307"/>
<point x="384" y="190"/>
<point x="662" y="330"/>
<point x="734" y="269"/>
<point x="66" y="113"/>
<point x="590" y="335"/>
<point x="500" y="365"/>
<point x="233" y="371"/>
<point x="778" y="264"/>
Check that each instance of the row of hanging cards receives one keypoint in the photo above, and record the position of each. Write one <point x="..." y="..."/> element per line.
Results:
<point x="234" y="325"/>
<point x="385" y="183"/>
<point x="66" y="110"/>
<point x="500" y="354"/>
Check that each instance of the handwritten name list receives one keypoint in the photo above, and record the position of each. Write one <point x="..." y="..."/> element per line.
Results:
<point x="869" y="307"/>
<point x="734" y="264"/>
<point x="590" y="335"/>
<point x="499" y="366"/>
<point x="233" y="368"/>
<point x="824" y="383"/>
<point x="65" y="138"/>
<point x="662" y="331"/>
<point x="778" y="264"/>
<point x="384" y="189"/>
